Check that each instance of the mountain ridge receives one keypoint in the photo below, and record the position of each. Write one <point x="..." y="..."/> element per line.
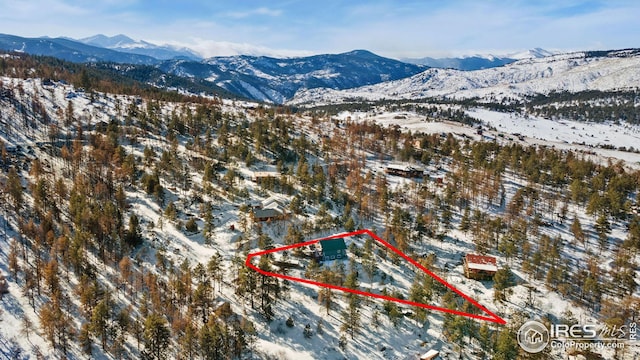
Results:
<point x="354" y="74"/>
<point x="70" y="50"/>
<point x="259" y="78"/>
<point x="124" y="43"/>
<point x="578" y="71"/>
<point x="479" y="61"/>
<point x="278" y="79"/>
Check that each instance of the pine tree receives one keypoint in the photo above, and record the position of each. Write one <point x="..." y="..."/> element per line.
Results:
<point x="484" y="338"/>
<point x="420" y="292"/>
<point x="13" y="187"/>
<point x="350" y="224"/>
<point x="189" y="340"/>
<point x="501" y="281"/>
<point x="85" y="339"/>
<point x="325" y="294"/>
<point x="576" y="229"/>
<point x="100" y="319"/>
<point x="368" y="260"/>
<point x="156" y="337"/>
<point x="268" y="288"/>
<point x="133" y="237"/>
<point x="506" y="345"/>
<point x="216" y="270"/>
<point x="603" y="228"/>
<point x="27" y="327"/>
<point x="465" y="222"/>
<point x="14" y="266"/>
<point x="351" y="317"/>
<point x="211" y="340"/>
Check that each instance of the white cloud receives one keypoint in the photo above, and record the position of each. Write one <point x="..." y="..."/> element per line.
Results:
<point x="410" y="29"/>
<point x="262" y="11"/>
<point x="210" y="48"/>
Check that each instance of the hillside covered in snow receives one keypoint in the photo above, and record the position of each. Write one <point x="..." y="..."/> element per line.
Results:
<point x="128" y="215"/>
<point x="573" y="72"/>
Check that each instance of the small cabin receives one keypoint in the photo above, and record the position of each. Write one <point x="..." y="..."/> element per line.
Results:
<point x="480" y="267"/>
<point x="404" y="171"/>
<point x="333" y="249"/>
<point x="270" y="214"/>
<point x="260" y="176"/>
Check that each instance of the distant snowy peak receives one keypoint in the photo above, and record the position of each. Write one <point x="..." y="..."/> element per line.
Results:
<point x="480" y="61"/>
<point x="126" y="44"/>
<point x="532" y="54"/>
<point x="573" y="72"/>
<point x="109" y="42"/>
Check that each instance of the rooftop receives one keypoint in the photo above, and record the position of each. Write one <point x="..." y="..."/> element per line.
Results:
<point x="481" y="262"/>
<point x="334" y="244"/>
<point x="266" y="213"/>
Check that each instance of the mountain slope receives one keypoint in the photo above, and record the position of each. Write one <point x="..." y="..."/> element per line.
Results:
<point x="277" y="80"/>
<point x="467" y="63"/>
<point x="126" y="44"/>
<point x="479" y="62"/>
<point x="572" y="72"/>
<point x="255" y="77"/>
<point x="69" y="50"/>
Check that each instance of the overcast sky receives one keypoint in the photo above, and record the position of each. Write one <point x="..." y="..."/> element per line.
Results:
<point x="403" y="28"/>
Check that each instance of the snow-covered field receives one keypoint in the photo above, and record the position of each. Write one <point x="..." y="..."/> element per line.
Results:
<point x="585" y="138"/>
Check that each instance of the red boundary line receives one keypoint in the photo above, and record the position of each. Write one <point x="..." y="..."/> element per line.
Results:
<point x="491" y="318"/>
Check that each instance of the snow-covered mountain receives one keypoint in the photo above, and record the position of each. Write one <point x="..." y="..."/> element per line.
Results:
<point x="255" y="77"/>
<point x="604" y="70"/>
<point x="126" y="44"/>
<point x="277" y="80"/>
<point x="70" y="50"/>
<point x="535" y="53"/>
<point x="466" y="63"/>
<point x="478" y="62"/>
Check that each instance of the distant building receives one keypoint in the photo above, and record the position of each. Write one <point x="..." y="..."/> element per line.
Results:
<point x="333" y="249"/>
<point x="272" y="209"/>
<point x="480" y="267"/>
<point x="262" y="215"/>
<point x="404" y="171"/>
<point x="259" y="176"/>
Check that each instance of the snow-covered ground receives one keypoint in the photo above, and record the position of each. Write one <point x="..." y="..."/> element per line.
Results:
<point x="374" y="341"/>
<point x="582" y="137"/>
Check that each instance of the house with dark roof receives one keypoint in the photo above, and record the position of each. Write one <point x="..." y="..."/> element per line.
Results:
<point x="333" y="249"/>
<point x="404" y="171"/>
<point x="267" y="215"/>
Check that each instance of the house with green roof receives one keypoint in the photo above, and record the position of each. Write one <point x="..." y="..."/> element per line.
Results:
<point x="333" y="249"/>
